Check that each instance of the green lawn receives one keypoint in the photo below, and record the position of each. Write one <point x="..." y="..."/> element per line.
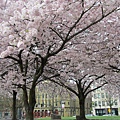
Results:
<point x="94" y="117"/>
<point x="105" y="117"/>
<point x="63" y="118"/>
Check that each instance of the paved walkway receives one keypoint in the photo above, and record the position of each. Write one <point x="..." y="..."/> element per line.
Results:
<point x="11" y="119"/>
<point x="5" y="119"/>
<point x="8" y="119"/>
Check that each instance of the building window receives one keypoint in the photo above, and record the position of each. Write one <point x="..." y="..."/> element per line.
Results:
<point x="95" y="96"/>
<point x="95" y="103"/>
<point x="42" y="95"/>
<point x="102" y="95"/>
<point x="116" y="102"/>
<point x="68" y="103"/>
<point x="99" y="103"/>
<point x="106" y="95"/>
<point x="46" y="96"/>
<point x="42" y="105"/>
<point x="103" y="103"/>
<point x="56" y="103"/>
<point x="98" y="95"/>
<point x="46" y="103"/>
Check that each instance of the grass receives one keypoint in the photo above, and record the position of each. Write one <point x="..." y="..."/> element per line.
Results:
<point x="105" y="117"/>
<point x="63" y="118"/>
<point x="94" y="117"/>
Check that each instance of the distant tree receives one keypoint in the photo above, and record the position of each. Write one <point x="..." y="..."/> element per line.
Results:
<point x="110" y="102"/>
<point x="112" y="97"/>
<point x="12" y="97"/>
<point x="9" y="86"/>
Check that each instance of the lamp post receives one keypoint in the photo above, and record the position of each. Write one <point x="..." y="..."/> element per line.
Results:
<point x="63" y="106"/>
<point x="74" y="107"/>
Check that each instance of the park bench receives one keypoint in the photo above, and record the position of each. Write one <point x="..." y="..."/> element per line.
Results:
<point x="55" y="117"/>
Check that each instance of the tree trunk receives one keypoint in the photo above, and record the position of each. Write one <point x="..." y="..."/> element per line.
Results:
<point x="29" y="103"/>
<point x="29" y="115"/>
<point x="82" y="109"/>
<point x="14" y="113"/>
<point x="111" y="110"/>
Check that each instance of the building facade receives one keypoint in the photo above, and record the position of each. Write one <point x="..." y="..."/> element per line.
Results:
<point x="64" y="106"/>
<point x="103" y="103"/>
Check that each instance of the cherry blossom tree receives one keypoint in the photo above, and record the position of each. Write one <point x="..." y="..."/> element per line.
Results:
<point x="112" y="96"/>
<point x="9" y="85"/>
<point x="9" y="89"/>
<point x="81" y="78"/>
<point x="36" y="34"/>
<point x="85" y="65"/>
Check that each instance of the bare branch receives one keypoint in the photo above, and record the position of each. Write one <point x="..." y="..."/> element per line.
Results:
<point x="95" y="88"/>
<point x="88" y="86"/>
<point x="57" y="34"/>
<point x="65" y="86"/>
<point x="47" y="78"/>
<point x="93" y="23"/>
<point x="83" y="12"/>
<point x="13" y="58"/>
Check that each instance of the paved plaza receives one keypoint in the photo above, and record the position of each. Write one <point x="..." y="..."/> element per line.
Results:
<point x="11" y="119"/>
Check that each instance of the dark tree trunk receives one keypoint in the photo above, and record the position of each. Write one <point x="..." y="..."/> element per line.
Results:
<point x="29" y="103"/>
<point x="14" y="106"/>
<point x="29" y="114"/>
<point x="82" y="108"/>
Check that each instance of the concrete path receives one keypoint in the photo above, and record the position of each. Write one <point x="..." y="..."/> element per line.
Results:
<point x="11" y="119"/>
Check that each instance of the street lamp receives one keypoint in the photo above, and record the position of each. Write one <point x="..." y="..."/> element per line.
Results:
<point x="63" y="106"/>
